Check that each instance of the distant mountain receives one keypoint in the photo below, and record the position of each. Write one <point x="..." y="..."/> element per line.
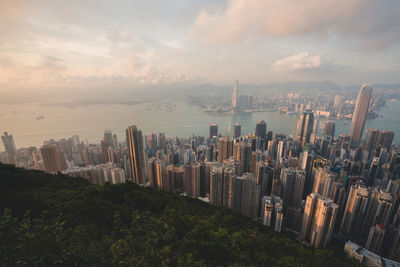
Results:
<point x="56" y="220"/>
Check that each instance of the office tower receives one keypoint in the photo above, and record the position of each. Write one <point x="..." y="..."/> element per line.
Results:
<point x="136" y="154"/>
<point x="213" y="130"/>
<point x="337" y="104"/>
<point x="305" y="127"/>
<point x="385" y="139"/>
<point x="329" y="129"/>
<point x="261" y="129"/>
<point x="373" y="169"/>
<point x="360" y="114"/>
<point x="318" y="220"/>
<point x="370" y="139"/>
<point x="51" y="158"/>
<point x="344" y="141"/>
<point x="237" y="130"/>
<point x="235" y="95"/>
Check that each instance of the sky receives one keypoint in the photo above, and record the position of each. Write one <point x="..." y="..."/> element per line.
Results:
<point x="57" y="45"/>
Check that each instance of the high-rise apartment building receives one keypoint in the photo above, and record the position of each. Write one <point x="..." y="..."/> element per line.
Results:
<point x="323" y="181"/>
<point x="318" y="220"/>
<point x="9" y="146"/>
<point x="135" y="147"/>
<point x="51" y="158"/>
<point x="272" y="212"/>
<point x="8" y="142"/>
<point x="360" y="113"/>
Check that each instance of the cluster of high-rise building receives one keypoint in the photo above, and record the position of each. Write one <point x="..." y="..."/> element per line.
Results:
<point x="313" y="184"/>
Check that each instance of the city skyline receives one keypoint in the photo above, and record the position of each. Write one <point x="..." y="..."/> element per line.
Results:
<point x="200" y="132"/>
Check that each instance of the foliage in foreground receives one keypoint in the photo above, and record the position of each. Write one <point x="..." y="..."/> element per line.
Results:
<point x="58" y="220"/>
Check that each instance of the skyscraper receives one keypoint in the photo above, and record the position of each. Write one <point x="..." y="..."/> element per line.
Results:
<point x="370" y="139"/>
<point x="51" y="158"/>
<point x="360" y="113"/>
<point x="305" y="127"/>
<point x="213" y="130"/>
<point x="237" y="130"/>
<point x="261" y="129"/>
<point x="329" y="129"/>
<point x="8" y="142"/>
<point x="385" y="139"/>
<point x="108" y="137"/>
<point x="135" y="147"/>
<point x="235" y="95"/>
<point x="9" y="146"/>
<point x="337" y="104"/>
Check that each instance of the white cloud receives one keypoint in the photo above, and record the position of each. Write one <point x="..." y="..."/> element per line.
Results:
<point x="372" y="24"/>
<point x="298" y="62"/>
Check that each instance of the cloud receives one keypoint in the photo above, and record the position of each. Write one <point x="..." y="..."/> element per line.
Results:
<point x="367" y="23"/>
<point x="297" y="62"/>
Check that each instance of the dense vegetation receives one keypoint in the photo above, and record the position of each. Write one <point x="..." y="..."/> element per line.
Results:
<point x="58" y="220"/>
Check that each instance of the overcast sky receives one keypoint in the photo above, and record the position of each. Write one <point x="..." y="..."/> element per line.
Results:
<point x="56" y="43"/>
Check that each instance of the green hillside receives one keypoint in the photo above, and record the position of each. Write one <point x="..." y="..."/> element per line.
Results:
<point x="58" y="220"/>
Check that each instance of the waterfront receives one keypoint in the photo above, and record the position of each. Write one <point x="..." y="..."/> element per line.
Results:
<point x="32" y="123"/>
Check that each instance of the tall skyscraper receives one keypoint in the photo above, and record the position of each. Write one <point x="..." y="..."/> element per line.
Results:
<point x="337" y="104"/>
<point x="329" y="129"/>
<point x="51" y="158"/>
<point x="318" y="220"/>
<point x="261" y="129"/>
<point x="305" y="127"/>
<point x="385" y="139"/>
<point x="370" y="139"/>
<point x="360" y="113"/>
<point x="213" y="130"/>
<point x="235" y="96"/>
<point x="237" y="130"/>
<point x="135" y="147"/>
